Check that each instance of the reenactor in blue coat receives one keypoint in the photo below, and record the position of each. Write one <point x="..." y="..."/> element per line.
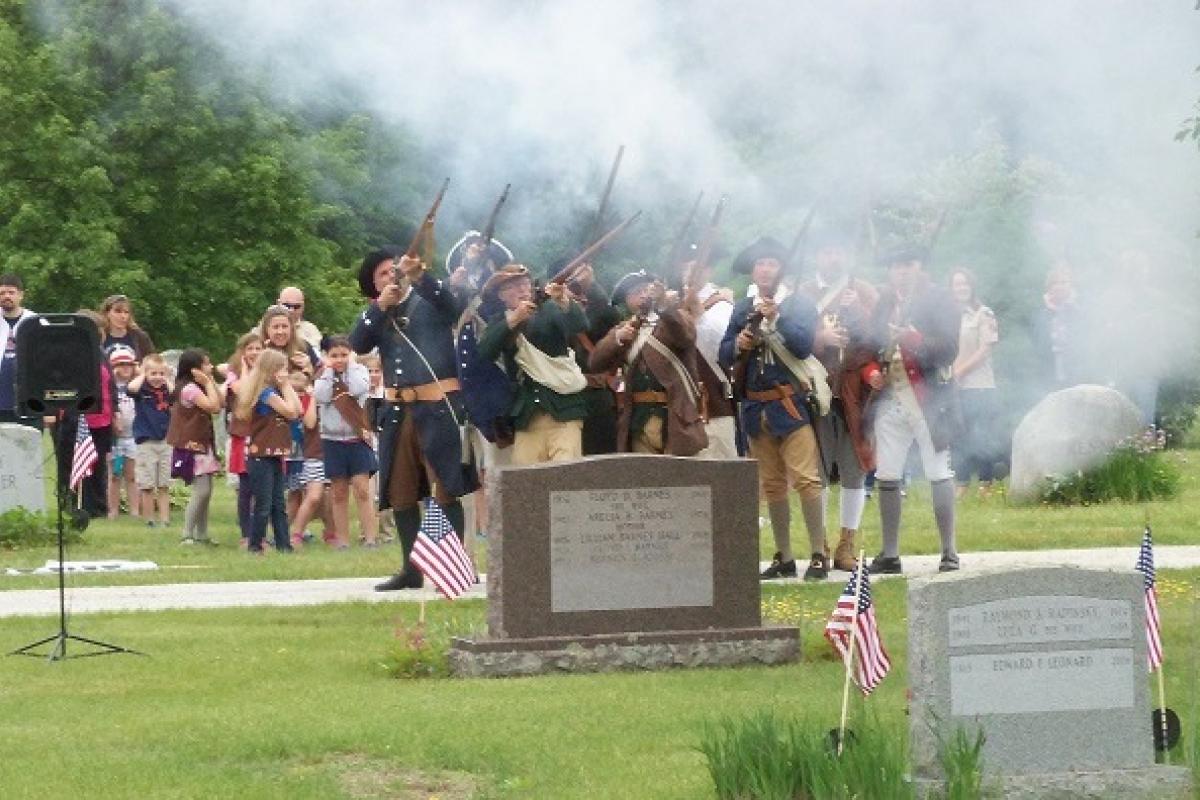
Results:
<point x="411" y="320"/>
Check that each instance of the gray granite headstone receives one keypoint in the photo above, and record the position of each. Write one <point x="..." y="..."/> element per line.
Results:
<point x="1050" y="664"/>
<point x="1069" y="430"/>
<point x="651" y="551"/>
<point x="22" y="477"/>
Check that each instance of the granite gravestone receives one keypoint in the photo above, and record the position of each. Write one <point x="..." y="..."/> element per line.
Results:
<point x="625" y="561"/>
<point x="22" y="476"/>
<point x="1050" y="664"/>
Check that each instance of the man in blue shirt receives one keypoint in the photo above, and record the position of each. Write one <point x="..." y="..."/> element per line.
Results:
<point x="768" y="336"/>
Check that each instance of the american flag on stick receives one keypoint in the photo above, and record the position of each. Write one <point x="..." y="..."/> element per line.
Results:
<point x="871" y="662"/>
<point x="439" y="554"/>
<point x="1145" y="565"/>
<point x="84" y="459"/>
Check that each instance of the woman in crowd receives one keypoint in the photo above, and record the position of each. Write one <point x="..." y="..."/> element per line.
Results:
<point x="117" y="326"/>
<point x="976" y="453"/>
<point x="278" y="333"/>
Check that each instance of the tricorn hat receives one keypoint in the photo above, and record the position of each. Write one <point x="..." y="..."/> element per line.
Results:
<point x="506" y="274"/>
<point x="366" y="272"/>
<point x="904" y="253"/>
<point x="630" y="282"/>
<point x="498" y="254"/>
<point x="763" y="247"/>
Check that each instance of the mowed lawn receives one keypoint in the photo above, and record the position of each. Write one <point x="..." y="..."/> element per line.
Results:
<point x="296" y="703"/>
<point x="983" y="524"/>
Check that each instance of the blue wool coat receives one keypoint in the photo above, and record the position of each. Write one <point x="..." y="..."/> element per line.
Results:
<point x="427" y="317"/>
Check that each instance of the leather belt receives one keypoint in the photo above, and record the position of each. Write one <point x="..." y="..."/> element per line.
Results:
<point x="650" y="398"/>
<point x="425" y="393"/>
<point x="777" y="393"/>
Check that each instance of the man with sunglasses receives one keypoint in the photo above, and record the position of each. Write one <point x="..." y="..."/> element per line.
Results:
<point x="292" y="298"/>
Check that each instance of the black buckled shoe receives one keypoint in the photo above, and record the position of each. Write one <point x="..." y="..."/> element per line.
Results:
<point x="885" y="565"/>
<point x="949" y="563"/>
<point x="818" y="568"/>
<point x="401" y="580"/>
<point x="779" y="568"/>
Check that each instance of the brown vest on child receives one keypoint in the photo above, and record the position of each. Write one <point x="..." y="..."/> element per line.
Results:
<point x="270" y="436"/>
<point x="190" y="429"/>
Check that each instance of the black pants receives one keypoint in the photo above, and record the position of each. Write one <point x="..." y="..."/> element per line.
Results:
<point x="95" y="486"/>
<point x="978" y="451"/>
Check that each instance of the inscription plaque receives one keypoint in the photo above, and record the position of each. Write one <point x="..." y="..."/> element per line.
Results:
<point x="616" y="549"/>
<point x="1038" y="619"/>
<point x="1037" y="682"/>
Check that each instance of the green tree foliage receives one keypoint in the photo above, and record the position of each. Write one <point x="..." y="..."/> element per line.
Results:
<point x="133" y="162"/>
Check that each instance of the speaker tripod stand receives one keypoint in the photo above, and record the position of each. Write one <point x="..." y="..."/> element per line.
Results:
<point x="59" y="651"/>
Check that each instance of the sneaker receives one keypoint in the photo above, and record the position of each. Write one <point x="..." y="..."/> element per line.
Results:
<point x="297" y="540"/>
<point x="884" y="565"/>
<point x="949" y="563"/>
<point x="187" y="540"/>
<point x="818" y="568"/>
<point x="779" y="568"/>
<point x="150" y="523"/>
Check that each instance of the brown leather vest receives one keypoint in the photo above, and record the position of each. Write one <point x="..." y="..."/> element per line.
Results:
<point x="190" y="429"/>
<point x="354" y="414"/>
<point x="270" y="436"/>
<point x="312" y="441"/>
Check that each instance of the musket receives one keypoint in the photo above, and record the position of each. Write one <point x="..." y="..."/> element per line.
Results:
<point x="426" y="228"/>
<point x="598" y="223"/>
<point x="801" y="236"/>
<point x="489" y="230"/>
<point x="678" y="247"/>
<point x="564" y="274"/>
<point x="704" y="251"/>
<point x="424" y="231"/>
<point x="936" y="233"/>
<point x="474" y="264"/>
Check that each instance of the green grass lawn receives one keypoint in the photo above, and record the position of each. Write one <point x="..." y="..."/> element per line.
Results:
<point x="983" y="524"/>
<point x="296" y="703"/>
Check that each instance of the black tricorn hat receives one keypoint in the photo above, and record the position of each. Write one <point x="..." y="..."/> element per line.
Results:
<point x="630" y="282"/>
<point x="904" y="253"/>
<point x="498" y="254"/>
<point x="763" y="247"/>
<point x="366" y="272"/>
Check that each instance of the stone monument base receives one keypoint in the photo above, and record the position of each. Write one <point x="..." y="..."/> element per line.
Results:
<point x="718" y="647"/>
<point x="1150" y="783"/>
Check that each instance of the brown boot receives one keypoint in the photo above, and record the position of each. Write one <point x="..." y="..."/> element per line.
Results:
<point x="843" y="556"/>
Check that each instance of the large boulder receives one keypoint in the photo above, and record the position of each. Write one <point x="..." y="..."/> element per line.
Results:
<point x="1069" y="430"/>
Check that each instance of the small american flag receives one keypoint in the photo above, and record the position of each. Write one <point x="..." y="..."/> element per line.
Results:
<point x="84" y="459"/>
<point x="1145" y="565"/>
<point x="872" y="662"/>
<point x="440" y="555"/>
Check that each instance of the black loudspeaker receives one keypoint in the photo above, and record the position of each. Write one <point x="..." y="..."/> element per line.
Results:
<point x="58" y="364"/>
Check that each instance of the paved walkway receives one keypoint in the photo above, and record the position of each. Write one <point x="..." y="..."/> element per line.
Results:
<point x="340" y="590"/>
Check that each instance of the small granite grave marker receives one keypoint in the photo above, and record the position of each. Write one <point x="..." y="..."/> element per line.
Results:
<point x="22" y="477"/>
<point x="1050" y="663"/>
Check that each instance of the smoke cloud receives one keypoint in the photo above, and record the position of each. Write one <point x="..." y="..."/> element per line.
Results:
<point x="781" y="104"/>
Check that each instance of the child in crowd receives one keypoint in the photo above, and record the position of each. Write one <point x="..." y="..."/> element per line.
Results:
<point x="191" y="435"/>
<point x="267" y="402"/>
<point x="123" y="458"/>
<point x="376" y="407"/>
<point x="151" y="392"/>
<point x="341" y="391"/>
<point x="240" y="363"/>
<point x="306" y="470"/>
